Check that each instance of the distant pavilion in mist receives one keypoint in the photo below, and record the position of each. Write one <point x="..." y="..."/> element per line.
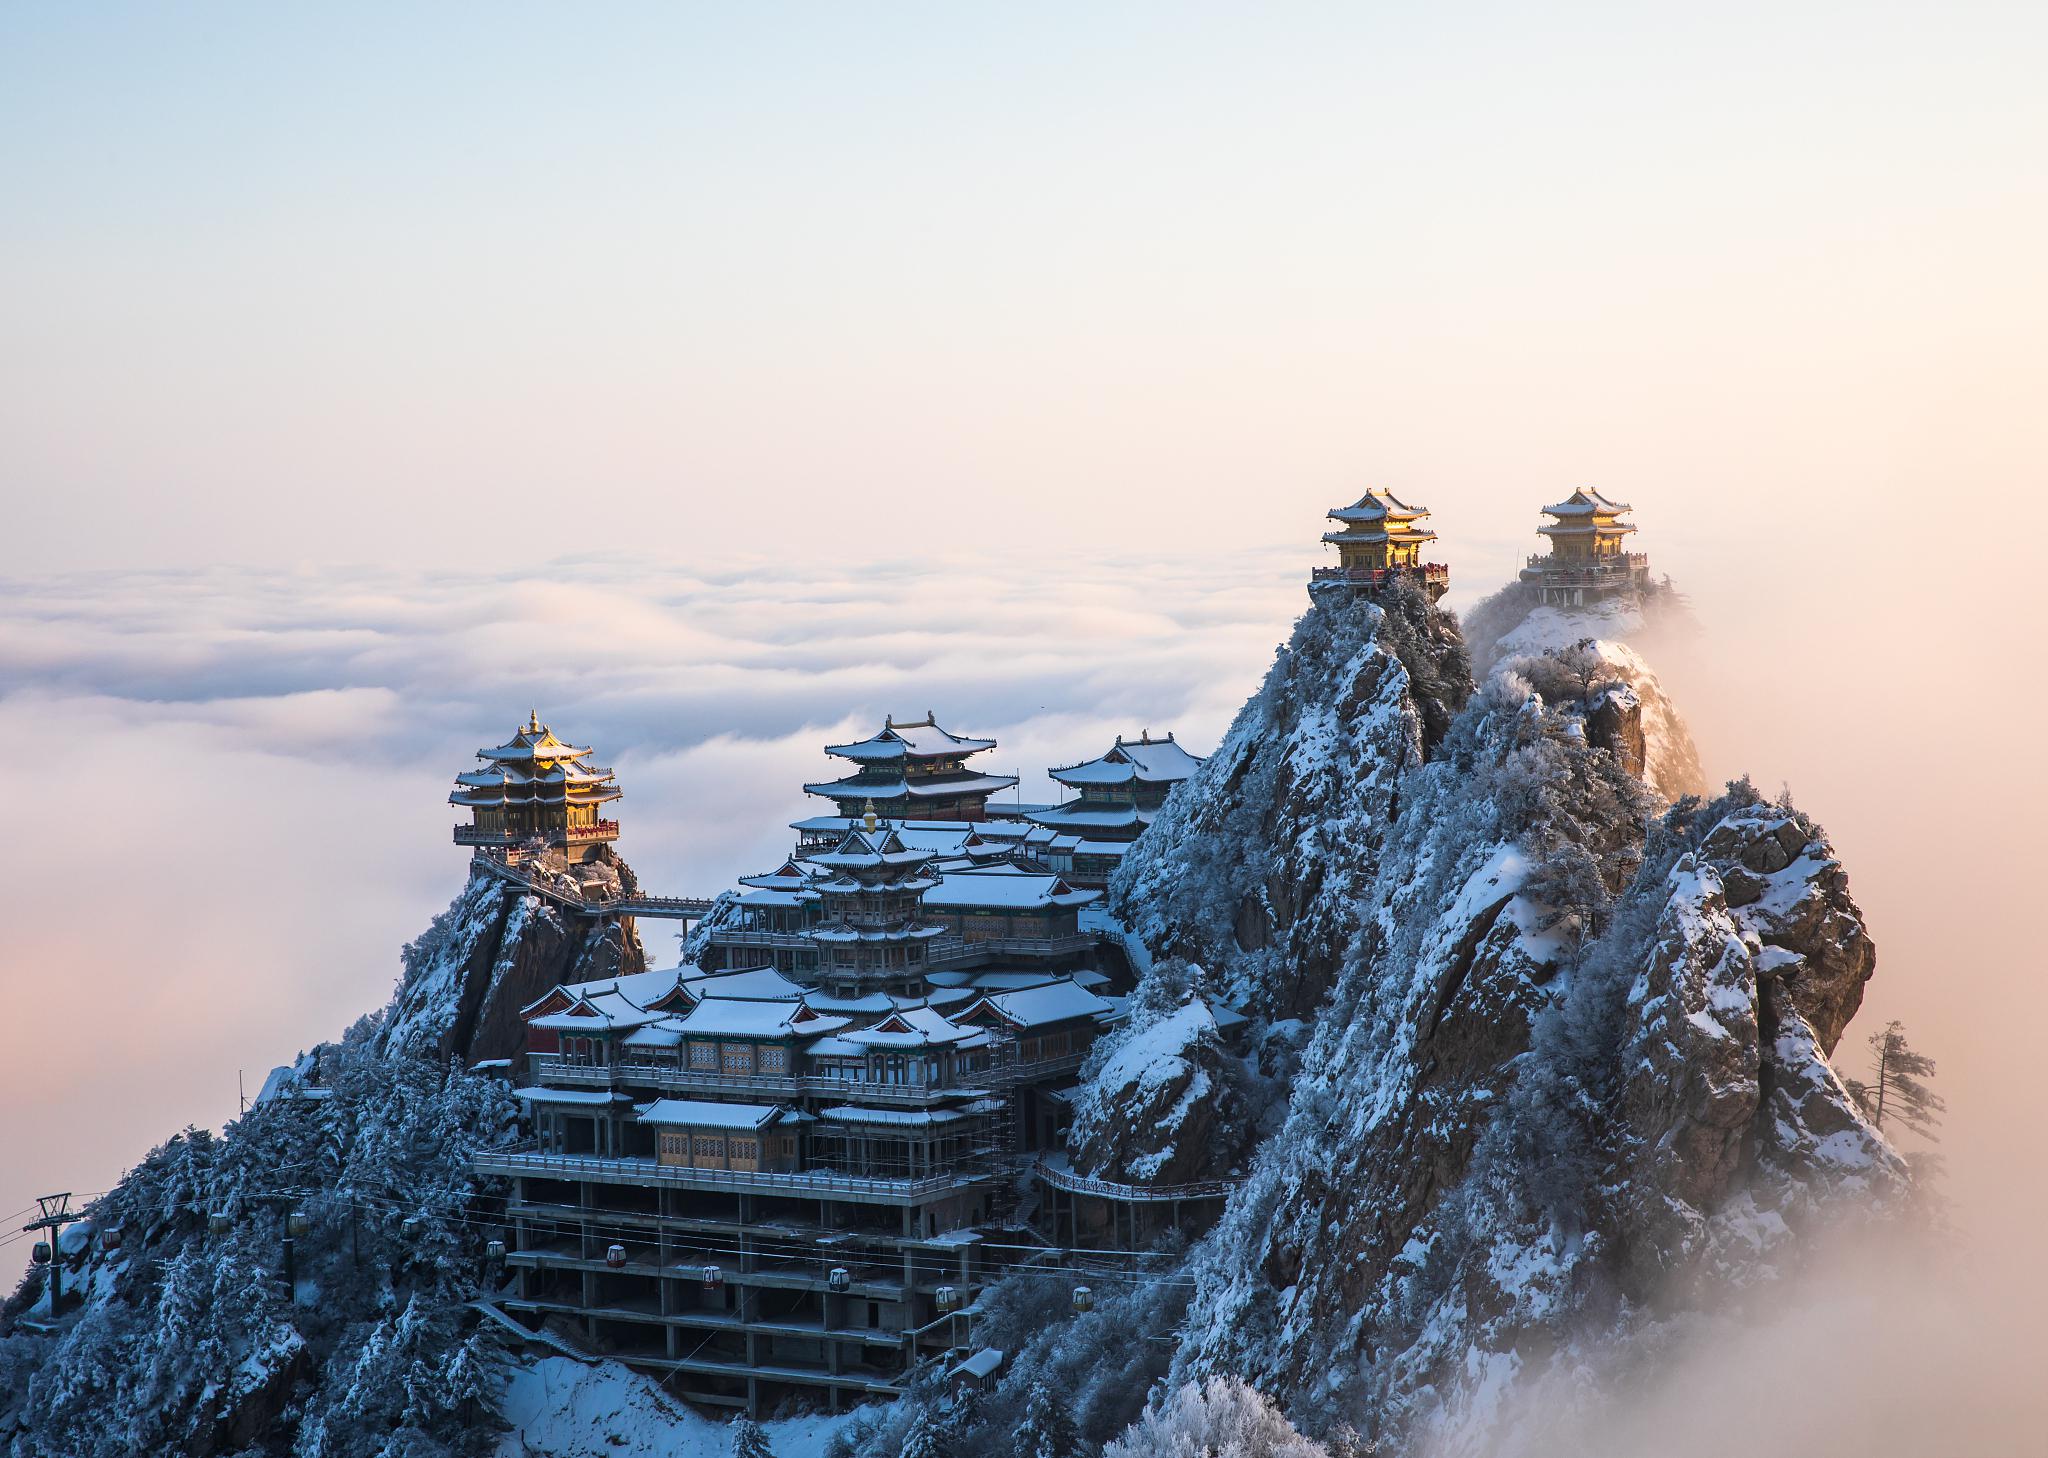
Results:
<point x="1586" y="563"/>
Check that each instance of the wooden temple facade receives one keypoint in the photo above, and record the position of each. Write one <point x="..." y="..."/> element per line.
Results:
<point x="1116" y="796"/>
<point x="753" y="1189"/>
<point x="1379" y="542"/>
<point x="1587" y="561"/>
<point x="914" y="770"/>
<point x="535" y="793"/>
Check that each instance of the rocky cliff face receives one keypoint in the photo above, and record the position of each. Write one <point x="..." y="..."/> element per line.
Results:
<point x="1571" y="1074"/>
<point x="495" y="949"/>
<point x="1160" y="1104"/>
<point x="1252" y="867"/>
<point x="1511" y="629"/>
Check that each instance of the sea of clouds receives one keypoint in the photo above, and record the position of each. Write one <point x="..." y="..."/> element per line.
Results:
<point x="228" y="786"/>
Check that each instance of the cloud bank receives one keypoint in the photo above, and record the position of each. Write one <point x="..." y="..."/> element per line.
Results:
<point x="232" y="782"/>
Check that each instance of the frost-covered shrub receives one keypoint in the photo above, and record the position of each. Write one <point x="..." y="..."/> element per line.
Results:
<point x="1220" y="1418"/>
<point x="191" y="1343"/>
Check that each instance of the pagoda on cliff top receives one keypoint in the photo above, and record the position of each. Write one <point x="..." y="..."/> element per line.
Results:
<point x="913" y="771"/>
<point x="536" y="793"/>
<point x="1379" y="543"/>
<point x="1586" y="562"/>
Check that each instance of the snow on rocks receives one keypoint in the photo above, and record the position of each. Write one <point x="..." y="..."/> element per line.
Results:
<point x="560" y="1408"/>
<point x="1148" y="1113"/>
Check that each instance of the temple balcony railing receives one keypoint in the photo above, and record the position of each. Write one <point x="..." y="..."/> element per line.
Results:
<point x="1062" y="1176"/>
<point x="746" y="937"/>
<point x="529" y="1163"/>
<point x="1622" y="564"/>
<point x="954" y="948"/>
<point x="1381" y="576"/>
<point x="554" y="1070"/>
<point x="602" y="830"/>
<point x="475" y="835"/>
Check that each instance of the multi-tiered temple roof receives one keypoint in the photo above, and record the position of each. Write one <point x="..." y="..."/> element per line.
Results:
<point x="872" y="930"/>
<point x="1117" y="795"/>
<point x="1378" y="540"/>
<point x="1587" y="524"/>
<point x="1586" y="561"/>
<point x="535" y="790"/>
<point x="914" y="771"/>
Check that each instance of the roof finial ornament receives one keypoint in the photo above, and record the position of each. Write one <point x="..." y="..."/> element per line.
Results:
<point x="867" y="818"/>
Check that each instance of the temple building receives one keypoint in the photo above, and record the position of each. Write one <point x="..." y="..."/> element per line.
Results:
<point x="535" y="793"/>
<point x="784" y="1172"/>
<point x="753" y="1189"/>
<point x="1022" y="909"/>
<point x="1586" y="562"/>
<point x="1379" y="543"/>
<point x="871" y="931"/>
<point x="1117" y="794"/>
<point x="913" y="771"/>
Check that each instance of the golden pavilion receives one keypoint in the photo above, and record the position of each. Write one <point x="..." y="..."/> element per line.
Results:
<point x="536" y="793"/>
<point x="1586" y="561"/>
<point x="1379" y="541"/>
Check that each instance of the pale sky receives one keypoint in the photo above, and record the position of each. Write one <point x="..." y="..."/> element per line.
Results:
<point x="718" y="378"/>
<point x="433" y="284"/>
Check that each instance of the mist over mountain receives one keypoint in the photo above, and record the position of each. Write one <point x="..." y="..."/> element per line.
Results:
<point x="1536" y="1072"/>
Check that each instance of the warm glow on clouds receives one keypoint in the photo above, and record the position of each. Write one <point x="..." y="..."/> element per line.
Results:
<point x="718" y="379"/>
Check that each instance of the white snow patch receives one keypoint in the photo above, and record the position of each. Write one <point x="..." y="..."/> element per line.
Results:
<point x="560" y="1408"/>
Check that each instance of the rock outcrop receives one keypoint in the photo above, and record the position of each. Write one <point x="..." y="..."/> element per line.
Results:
<point x="1513" y="624"/>
<point x="497" y="947"/>
<point x="1567" y="1081"/>
<point x="1254" y="865"/>
<point x="1157" y="1105"/>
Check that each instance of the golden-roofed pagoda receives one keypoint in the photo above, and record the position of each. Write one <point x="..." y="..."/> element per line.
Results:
<point x="1379" y="542"/>
<point x="1586" y="562"/>
<point x="536" y="793"/>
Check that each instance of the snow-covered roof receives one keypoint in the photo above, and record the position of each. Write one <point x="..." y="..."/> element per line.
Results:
<point x="589" y="1097"/>
<point x="1032" y="1007"/>
<point x="668" y="1033"/>
<point x="731" y="1017"/>
<point x="914" y="1027"/>
<point x="1143" y="760"/>
<point x="923" y="739"/>
<point x="635" y="989"/>
<point x="864" y="849"/>
<point x="1008" y="890"/>
<point x="890" y="788"/>
<point x="871" y="1003"/>
<point x="757" y="984"/>
<point x="1378" y="506"/>
<point x="1088" y="815"/>
<point x="704" y="1114"/>
<point x="984" y="1363"/>
<point x="1586" y="502"/>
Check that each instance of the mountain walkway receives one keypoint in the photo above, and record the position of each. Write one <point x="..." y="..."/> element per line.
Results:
<point x="557" y="890"/>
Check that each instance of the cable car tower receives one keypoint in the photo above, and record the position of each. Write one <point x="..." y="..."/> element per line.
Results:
<point x="56" y="1214"/>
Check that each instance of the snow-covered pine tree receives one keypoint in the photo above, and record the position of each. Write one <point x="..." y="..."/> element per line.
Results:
<point x="1047" y="1430"/>
<point x="929" y="1436"/>
<point x="748" y="1441"/>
